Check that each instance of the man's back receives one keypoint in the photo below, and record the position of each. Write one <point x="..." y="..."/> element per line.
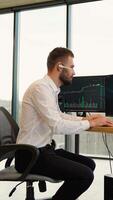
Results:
<point x="33" y="127"/>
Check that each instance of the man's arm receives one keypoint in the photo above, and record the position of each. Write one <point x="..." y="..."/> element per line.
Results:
<point x="46" y="105"/>
<point x="70" y="117"/>
<point x="94" y="119"/>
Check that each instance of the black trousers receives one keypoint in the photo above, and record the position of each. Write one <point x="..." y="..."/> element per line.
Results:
<point x="76" y="170"/>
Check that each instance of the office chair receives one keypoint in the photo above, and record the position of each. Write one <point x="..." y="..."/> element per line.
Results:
<point x="8" y="134"/>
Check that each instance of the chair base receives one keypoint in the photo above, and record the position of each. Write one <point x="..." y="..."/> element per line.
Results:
<point x="29" y="191"/>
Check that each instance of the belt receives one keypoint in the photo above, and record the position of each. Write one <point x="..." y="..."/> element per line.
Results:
<point x="52" y="145"/>
<point x="49" y="146"/>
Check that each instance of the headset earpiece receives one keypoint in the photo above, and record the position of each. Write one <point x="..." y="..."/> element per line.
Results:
<point x="60" y="67"/>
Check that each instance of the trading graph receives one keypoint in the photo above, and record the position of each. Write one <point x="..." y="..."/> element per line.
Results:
<point x="84" y="94"/>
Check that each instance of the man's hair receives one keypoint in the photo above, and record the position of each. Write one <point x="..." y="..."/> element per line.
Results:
<point x="59" y="54"/>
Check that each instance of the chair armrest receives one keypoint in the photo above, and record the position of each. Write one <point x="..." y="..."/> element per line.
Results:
<point x="8" y="151"/>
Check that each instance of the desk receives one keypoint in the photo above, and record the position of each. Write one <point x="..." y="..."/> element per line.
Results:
<point x="108" y="179"/>
<point x="103" y="129"/>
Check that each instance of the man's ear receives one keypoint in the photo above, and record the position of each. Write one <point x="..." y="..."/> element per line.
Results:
<point x="59" y="66"/>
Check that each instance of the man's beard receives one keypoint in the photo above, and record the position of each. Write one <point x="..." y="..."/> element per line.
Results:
<point x="64" y="79"/>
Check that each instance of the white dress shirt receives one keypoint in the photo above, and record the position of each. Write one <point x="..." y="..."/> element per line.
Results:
<point x="41" y="117"/>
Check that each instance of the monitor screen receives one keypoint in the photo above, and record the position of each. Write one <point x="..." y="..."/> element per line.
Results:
<point x="109" y="95"/>
<point x="86" y="93"/>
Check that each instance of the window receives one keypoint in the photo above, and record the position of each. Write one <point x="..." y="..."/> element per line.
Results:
<point x="41" y="30"/>
<point x="6" y="49"/>
<point x="92" y="37"/>
<point x="39" y="34"/>
<point x="92" y="43"/>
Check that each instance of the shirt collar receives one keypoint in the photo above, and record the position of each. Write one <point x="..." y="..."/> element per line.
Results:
<point x="52" y="84"/>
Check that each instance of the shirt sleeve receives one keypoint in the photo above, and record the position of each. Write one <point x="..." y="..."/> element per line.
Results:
<point x="45" y="103"/>
<point x="70" y="117"/>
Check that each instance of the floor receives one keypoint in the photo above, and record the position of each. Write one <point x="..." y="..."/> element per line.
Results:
<point x="95" y="192"/>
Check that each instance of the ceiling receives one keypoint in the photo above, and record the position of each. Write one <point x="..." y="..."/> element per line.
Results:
<point x="12" y="5"/>
<point x="15" y="3"/>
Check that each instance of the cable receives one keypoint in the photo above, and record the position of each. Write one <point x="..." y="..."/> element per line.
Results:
<point x="13" y="190"/>
<point x="110" y="155"/>
<point x="104" y="137"/>
<point x="105" y="142"/>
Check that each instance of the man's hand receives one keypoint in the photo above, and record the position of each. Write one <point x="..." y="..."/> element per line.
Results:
<point x="93" y="116"/>
<point x="100" y="121"/>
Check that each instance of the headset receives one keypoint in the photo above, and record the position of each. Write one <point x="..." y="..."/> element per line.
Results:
<point x="63" y="67"/>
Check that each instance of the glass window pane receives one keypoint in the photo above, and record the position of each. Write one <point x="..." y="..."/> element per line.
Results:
<point x="6" y="49"/>
<point x="92" y="43"/>
<point x="92" y="37"/>
<point x="41" y="30"/>
<point x="40" y="33"/>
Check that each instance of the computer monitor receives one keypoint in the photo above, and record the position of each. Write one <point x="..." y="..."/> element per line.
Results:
<point x="109" y="95"/>
<point x="85" y="94"/>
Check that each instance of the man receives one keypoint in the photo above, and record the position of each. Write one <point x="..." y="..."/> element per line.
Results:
<point x="41" y="118"/>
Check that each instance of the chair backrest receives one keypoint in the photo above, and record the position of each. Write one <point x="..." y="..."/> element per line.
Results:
<point x="8" y="128"/>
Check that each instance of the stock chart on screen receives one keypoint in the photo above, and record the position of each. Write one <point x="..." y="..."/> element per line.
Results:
<point x="86" y="93"/>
